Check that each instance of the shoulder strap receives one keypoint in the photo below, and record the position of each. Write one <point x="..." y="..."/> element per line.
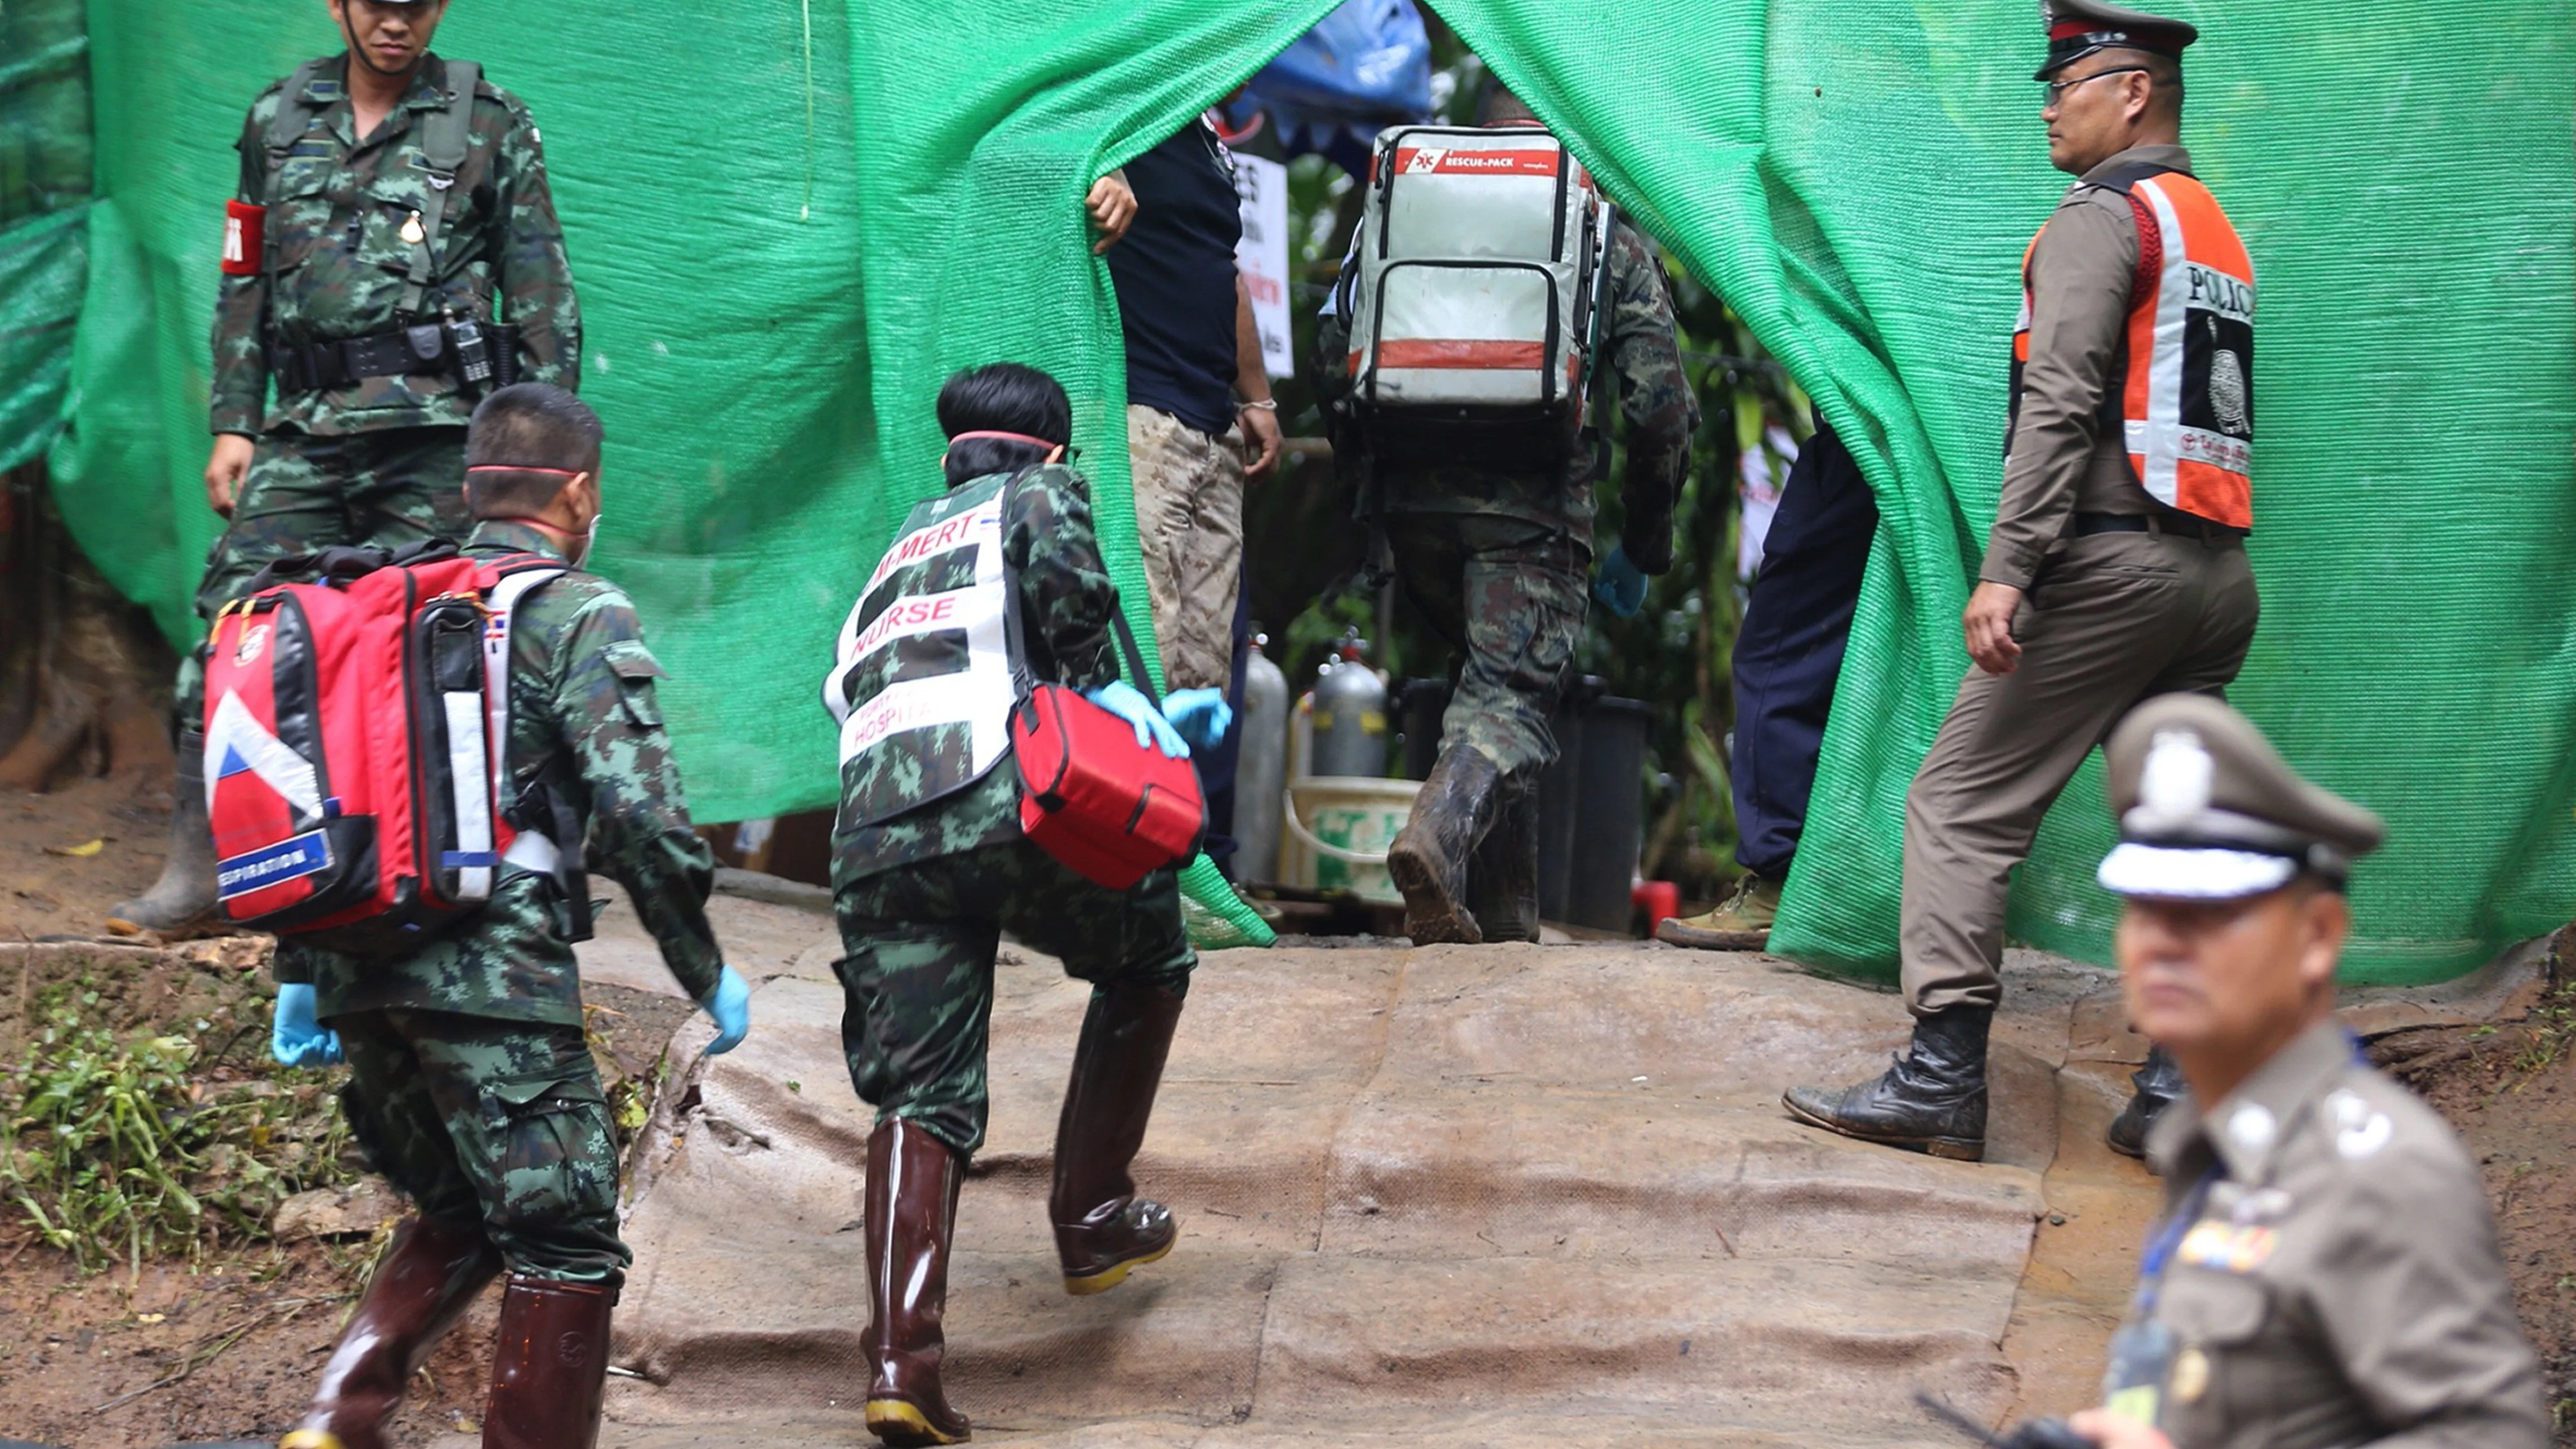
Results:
<point x="2151" y="258"/>
<point x="1015" y="634"/>
<point x="292" y="118"/>
<point x="444" y="137"/>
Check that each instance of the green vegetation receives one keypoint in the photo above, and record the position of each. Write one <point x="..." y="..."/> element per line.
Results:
<point x="134" y="1144"/>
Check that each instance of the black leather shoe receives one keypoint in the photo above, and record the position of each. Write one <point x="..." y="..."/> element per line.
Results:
<point x="1932" y="1099"/>
<point x="2157" y="1083"/>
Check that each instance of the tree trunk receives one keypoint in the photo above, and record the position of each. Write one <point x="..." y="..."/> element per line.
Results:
<point x="84" y="677"/>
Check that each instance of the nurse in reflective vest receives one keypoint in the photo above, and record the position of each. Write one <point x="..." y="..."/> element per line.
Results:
<point x="2116" y="569"/>
<point x="929" y="867"/>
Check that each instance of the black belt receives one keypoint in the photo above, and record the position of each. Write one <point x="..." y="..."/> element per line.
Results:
<point x="2183" y="524"/>
<point x="303" y="366"/>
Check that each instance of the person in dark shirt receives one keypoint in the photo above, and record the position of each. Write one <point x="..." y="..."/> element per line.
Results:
<point x="1192" y="350"/>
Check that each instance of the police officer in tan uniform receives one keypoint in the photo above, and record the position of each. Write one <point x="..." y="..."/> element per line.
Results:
<point x="2325" y="1273"/>
<point x="2116" y="569"/>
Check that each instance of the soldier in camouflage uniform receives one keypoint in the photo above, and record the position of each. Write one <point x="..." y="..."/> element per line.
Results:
<point x="393" y="237"/>
<point x="472" y="1088"/>
<point x="1496" y="560"/>
<point x="930" y="866"/>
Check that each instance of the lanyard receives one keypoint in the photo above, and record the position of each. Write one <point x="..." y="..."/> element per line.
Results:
<point x="2162" y="1245"/>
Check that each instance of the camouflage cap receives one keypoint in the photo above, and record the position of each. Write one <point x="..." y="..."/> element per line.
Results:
<point x="2209" y="810"/>
<point x="2077" y="28"/>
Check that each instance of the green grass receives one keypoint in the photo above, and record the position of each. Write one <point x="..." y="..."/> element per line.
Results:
<point x="122" y="1146"/>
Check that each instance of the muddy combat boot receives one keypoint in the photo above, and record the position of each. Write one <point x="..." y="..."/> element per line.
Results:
<point x="1502" y="876"/>
<point x="2158" y="1083"/>
<point x="430" y="1271"/>
<point x="1102" y="1229"/>
<point x="549" y="1365"/>
<point x="1932" y="1099"/>
<point x="911" y="1212"/>
<point x="1429" y="858"/>
<point x="184" y="897"/>
<point x="1742" y="924"/>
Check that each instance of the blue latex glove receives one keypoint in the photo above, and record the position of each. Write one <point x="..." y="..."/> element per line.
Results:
<point x="1620" y="586"/>
<point x="1152" y="730"/>
<point x="1201" y="715"/>
<point x="296" y="1039"/>
<point x="730" y="1005"/>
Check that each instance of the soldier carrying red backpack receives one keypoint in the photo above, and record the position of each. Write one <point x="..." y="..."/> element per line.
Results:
<point x="980" y="757"/>
<point x="407" y="756"/>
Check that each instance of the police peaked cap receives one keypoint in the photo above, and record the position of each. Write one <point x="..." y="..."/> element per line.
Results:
<point x="2077" y="28"/>
<point x="2208" y="810"/>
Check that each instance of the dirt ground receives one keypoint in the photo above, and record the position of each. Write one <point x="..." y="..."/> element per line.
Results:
<point x="228" y="1346"/>
<point x="49" y="888"/>
<point x="2511" y="1091"/>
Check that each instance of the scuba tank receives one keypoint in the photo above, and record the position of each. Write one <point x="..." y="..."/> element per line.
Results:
<point x="1261" y="767"/>
<point x="1349" y="714"/>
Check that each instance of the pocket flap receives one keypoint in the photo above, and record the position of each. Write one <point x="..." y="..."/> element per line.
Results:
<point x="629" y="659"/>
<point x="554" y="1092"/>
<point x="2207" y="1305"/>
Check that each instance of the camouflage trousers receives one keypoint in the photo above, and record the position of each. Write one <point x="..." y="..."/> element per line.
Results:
<point x="918" y="978"/>
<point x="499" y="1122"/>
<point x="305" y="492"/>
<point x="1508" y="595"/>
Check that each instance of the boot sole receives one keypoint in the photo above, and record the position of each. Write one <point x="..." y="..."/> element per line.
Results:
<point x="1110" y="1277"/>
<point x="1954" y="1149"/>
<point x="898" y="1423"/>
<point x="1430" y="916"/>
<point x="310" y="1439"/>
<point x="1698" y="938"/>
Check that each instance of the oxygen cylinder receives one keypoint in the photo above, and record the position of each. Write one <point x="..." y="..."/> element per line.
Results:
<point x="1350" y="714"/>
<point x="1261" y="768"/>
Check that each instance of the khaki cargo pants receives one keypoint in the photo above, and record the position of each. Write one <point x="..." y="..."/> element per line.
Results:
<point x="1189" y="526"/>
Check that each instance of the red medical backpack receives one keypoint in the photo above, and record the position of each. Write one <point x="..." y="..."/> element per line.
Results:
<point x="355" y="732"/>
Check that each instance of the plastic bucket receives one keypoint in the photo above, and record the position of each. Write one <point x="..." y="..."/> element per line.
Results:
<point x="1337" y="830"/>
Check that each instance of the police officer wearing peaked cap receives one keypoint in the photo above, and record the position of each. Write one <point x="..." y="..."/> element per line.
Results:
<point x="2326" y="1272"/>
<point x="2116" y="569"/>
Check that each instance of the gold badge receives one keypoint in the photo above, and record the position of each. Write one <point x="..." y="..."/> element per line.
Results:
<point x="2190" y="1376"/>
<point x="411" y="231"/>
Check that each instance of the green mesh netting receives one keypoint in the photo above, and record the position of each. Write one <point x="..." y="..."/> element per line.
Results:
<point x="45" y="169"/>
<point x="791" y="220"/>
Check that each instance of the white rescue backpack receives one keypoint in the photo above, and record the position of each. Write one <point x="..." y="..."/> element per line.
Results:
<point x="1475" y="295"/>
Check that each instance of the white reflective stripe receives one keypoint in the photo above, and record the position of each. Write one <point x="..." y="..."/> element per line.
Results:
<point x="504" y="601"/>
<point x="836" y="696"/>
<point x="232" y="732"/>
<point x="979" y="695"/>
<point x="467" y="770"/>
<point x="534" y="853"/>
<point x="2157" y="438"/>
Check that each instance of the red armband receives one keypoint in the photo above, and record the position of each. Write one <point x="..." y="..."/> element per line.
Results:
<point x="245" y="238"/>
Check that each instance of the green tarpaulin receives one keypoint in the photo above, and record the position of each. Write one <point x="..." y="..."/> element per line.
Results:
<point x="790" y="220"/>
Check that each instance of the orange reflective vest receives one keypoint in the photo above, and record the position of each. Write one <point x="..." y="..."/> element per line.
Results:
<point x="2183" y="393"/>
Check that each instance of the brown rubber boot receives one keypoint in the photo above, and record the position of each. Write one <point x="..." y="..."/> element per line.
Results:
<point x="911" y="1211"/>
<point x="1103" y="1230"/>
<point x="1742" y="924"/>
<point x="1429" y="858"/>
<point x="429" y="1273"/>
<point x="183" y="899"/>
<point x="1502" y="877"/>
<point x="549" y="1365"/>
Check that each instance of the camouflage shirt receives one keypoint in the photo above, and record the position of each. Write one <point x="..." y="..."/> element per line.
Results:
<point x="1066" y="601"/>
<point x="582" y="712"/>
<point x="337" y="263"/>
<point x="1639" y="344"/>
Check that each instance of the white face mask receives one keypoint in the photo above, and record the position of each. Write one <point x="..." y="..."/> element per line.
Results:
<point x="589" y="543"/>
